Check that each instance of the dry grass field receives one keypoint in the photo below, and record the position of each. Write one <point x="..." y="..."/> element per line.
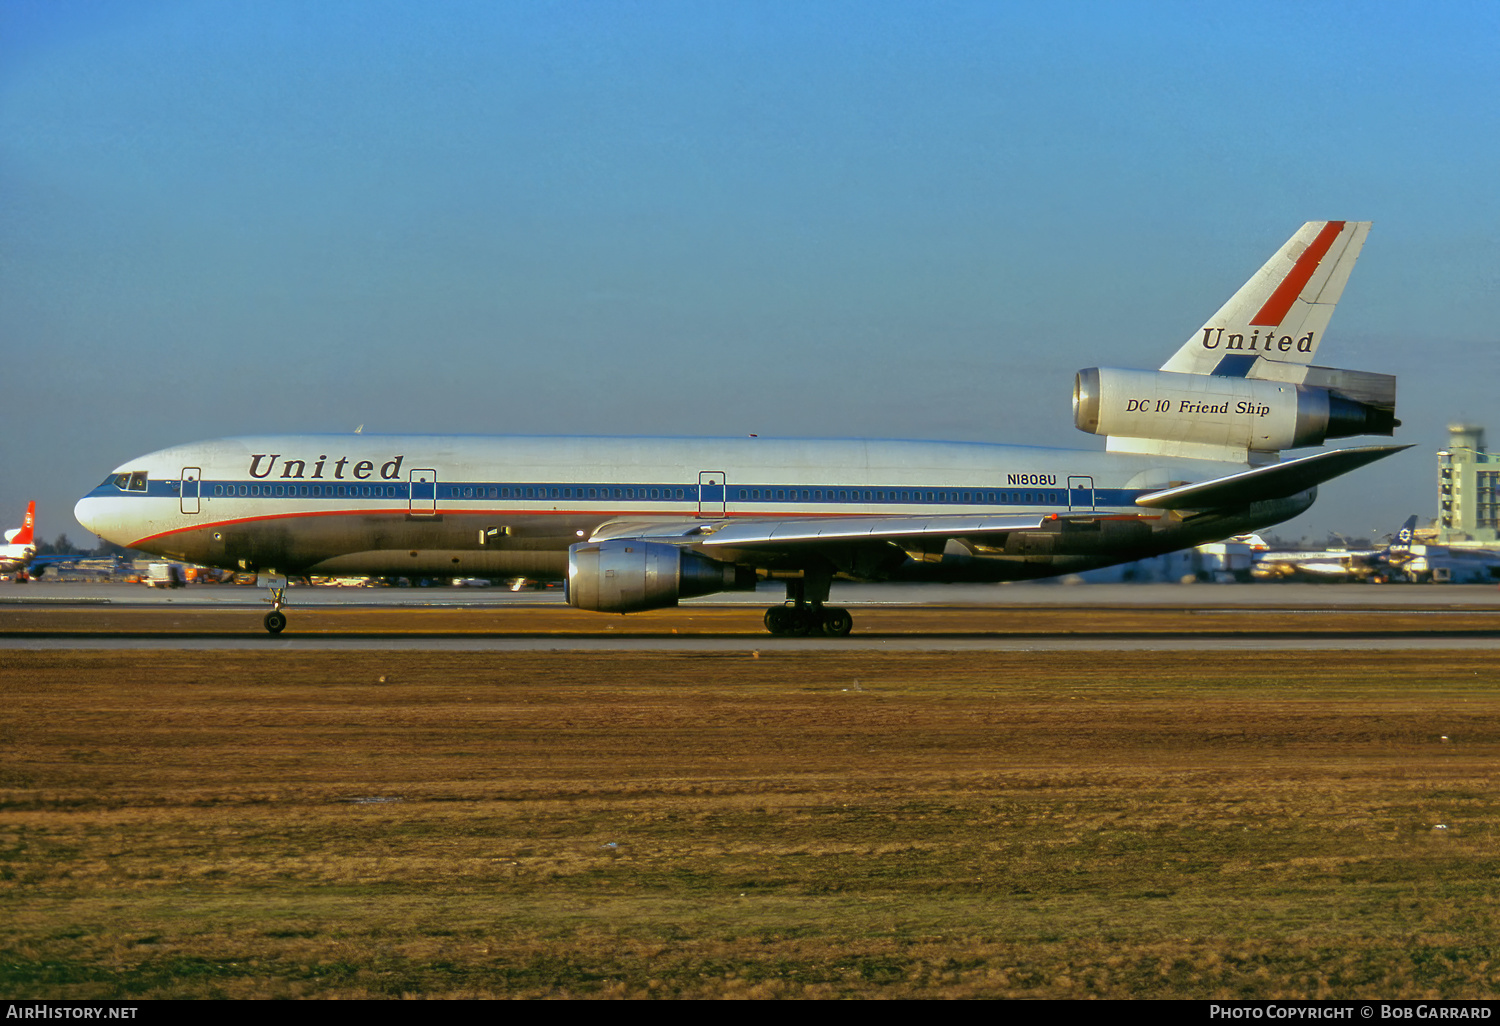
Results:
<point x="387" y="824"/>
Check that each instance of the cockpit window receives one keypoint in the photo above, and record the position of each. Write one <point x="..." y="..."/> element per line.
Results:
<point x="134" y="481"/>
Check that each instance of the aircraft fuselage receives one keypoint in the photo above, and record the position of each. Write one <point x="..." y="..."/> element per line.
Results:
<point x="426" y="505"/>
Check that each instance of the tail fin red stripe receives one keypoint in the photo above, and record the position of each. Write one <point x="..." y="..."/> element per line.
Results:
<point x="24" y="538"/>
<point x="1275" y="310"/>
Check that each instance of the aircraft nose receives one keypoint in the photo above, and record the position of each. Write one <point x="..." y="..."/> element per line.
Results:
<point x="86" y="513"/>
<point x="101" y="515"/>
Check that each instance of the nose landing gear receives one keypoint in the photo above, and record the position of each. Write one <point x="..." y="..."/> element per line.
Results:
<point x="275" y="620"/>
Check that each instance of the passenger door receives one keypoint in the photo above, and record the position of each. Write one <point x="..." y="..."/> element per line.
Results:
<point x="187" y="499"/>
<point x="1080" y="494"/>
<point x="423" y="500"/>
<point x="711" y="493"/>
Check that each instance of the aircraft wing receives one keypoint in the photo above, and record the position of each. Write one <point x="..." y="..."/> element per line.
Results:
<point x="55" y="560"/>
<point x="774" y="533"/>
<point x="1273" y="481"/>
<point x="751" y="533"/>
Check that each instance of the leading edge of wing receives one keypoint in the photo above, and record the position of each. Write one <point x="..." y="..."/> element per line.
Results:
<point x="1274" y="481"/>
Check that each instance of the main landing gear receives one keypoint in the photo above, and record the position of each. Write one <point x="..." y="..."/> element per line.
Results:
<point x="804" y="612"/>
<point x="800" y="622"/>
<point x="275" y="620"/>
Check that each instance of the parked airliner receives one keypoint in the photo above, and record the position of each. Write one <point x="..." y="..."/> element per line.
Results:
<point x="20" y="544"/>
<point x="1193" y="454"/>
<point x="1346" y="564"/>
<point x="18" y="554"/>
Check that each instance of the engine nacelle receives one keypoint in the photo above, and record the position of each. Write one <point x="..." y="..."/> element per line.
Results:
<point x="628" y="576"/>
<point x="1245" y="413"/>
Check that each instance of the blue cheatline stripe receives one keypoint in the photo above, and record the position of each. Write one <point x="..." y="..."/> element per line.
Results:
<point x="739" y="497"/>
<point x="750" y="495"/>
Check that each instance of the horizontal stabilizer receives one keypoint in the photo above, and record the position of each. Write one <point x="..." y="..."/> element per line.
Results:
<point x="1275" y="481"/>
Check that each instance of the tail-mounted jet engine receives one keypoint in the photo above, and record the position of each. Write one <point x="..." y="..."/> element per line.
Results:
<point x="627" y="576"/>
<point x="1245" y="413"/>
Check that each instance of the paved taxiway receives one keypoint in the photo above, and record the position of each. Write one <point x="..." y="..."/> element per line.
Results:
<point x="1022" y="617"/>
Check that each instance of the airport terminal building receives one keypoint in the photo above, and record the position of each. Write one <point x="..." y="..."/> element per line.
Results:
<point x="1468" y="487"/>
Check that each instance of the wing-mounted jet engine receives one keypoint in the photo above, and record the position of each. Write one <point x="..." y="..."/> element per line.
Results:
<point x="1243" y="387"/>
<point x="632" y="575"/>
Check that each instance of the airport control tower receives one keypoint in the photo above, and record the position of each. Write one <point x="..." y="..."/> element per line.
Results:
<point x="1468" y="486"/>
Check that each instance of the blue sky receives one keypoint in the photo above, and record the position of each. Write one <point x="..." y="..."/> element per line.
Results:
<point x="830" y="219"/>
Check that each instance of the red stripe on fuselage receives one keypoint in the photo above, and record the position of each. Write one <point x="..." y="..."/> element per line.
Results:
<point x="1275" y="310"/>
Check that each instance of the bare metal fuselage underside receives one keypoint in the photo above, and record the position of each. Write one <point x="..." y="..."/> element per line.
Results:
<point x="400" y="545"/>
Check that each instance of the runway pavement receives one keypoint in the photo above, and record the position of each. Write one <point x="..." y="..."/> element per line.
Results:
<point x="52" y="592"/>
<point x="1019" y="617"/>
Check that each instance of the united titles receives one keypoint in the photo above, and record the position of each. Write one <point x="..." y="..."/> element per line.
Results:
<point x="264" y="465"/>
<point x="1213" y="338"/>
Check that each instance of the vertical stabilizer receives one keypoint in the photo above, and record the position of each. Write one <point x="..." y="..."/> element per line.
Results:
<point x="1401" y="541"/>
<point x="26" y="532"/>
<point x="1271" y="327"/>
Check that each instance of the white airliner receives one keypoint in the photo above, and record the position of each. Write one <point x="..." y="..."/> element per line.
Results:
<point x="20" y="544"/>
<point x="18" y="554"/>
<point x="1193" y="455"/>
<point x="1376" y="564"/>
